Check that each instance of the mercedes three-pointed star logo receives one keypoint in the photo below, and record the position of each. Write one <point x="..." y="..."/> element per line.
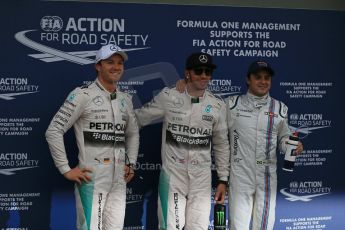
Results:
<point x="203" y="58"/>
<point x="98" y="100"/>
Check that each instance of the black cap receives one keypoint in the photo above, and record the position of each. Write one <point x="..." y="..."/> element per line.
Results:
<point x="258" y="66"/>
<point x="199" y="59"/>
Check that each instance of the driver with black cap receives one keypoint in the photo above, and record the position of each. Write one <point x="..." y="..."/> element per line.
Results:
<point x="194" y="122"/>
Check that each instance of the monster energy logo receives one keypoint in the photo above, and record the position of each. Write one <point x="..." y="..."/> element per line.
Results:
<point x="220" y="218"/>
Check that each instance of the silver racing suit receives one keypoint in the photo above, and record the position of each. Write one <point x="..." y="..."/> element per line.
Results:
<point x="107" y="137"/>
<point x="190" y="129"/>
<point x="256" y="127"/>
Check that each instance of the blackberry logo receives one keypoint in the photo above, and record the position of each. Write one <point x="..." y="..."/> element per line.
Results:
<point x="51" y="23"/>
<point x="96" y="136"/>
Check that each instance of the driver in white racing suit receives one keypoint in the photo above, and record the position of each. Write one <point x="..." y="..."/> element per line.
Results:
<point x="108" y="140"/>
<point x="257" y="126"/>
<point x="193" y="123"/>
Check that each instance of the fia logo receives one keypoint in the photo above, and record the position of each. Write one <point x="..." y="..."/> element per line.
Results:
<point x="51" y="23"/>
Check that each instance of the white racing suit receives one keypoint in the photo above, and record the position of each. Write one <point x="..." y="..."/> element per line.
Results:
<point x="107" y="137"/>
<point x="256" y="127"/>
<point x="189" y="131"/>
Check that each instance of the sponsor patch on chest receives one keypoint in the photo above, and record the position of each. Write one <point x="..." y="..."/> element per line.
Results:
<point x="207" y="117"/>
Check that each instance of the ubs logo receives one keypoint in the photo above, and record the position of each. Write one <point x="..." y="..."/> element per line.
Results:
<point x="207" y="118"/>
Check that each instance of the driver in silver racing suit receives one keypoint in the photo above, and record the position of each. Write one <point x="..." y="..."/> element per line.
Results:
<point x="257" y="125"/>
<point x="191" y="127"/>
<point x="108" y="140"/>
